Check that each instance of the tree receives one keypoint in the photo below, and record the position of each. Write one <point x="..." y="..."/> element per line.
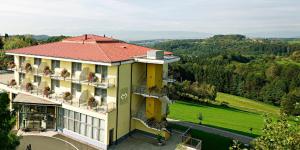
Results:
<point x="18" y="42"/>
<point x="291" y="102"/>
<point x="278" y="135"/>
<point x="1" y="43"/>
<point x="8" y="140"/>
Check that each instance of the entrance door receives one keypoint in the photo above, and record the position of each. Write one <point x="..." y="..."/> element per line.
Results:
<point x="111" y="136"/>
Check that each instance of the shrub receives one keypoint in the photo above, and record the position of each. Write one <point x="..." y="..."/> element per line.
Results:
<point x="47" y="70"/>
<point x="67" y="96"/>
<point x="28" y="67"/>
<point x="64" y="73"/>
<point x="29" y="87"/>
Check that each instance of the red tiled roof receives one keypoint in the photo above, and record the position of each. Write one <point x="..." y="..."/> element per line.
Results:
<point x="89" y="48"/>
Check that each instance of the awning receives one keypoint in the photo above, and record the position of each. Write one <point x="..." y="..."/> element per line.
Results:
<point x="28" y="99"/>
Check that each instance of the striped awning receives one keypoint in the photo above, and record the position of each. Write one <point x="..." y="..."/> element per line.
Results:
<point x="28" y="99"/>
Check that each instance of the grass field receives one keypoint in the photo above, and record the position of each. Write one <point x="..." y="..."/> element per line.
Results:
<point x="287" y="61"/>
<point x="247" y="104"/>
<point x="242" y="115"/>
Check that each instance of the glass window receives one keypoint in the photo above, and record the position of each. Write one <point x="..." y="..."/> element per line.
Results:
<point x="100" y="92"/>
<point x="21" y="77"/>
<point x="96" y="130"/>
<point x="55" y="64"/>
<point x="37" y="79"/>
<point x="75" y="88"/>
<point x="83" y="124"/>
<point x="89" y="127"/>
<point x="76" y="67"/>
<point x="55" y="83"/>
<point x="37" y="61"/>
<point x="101" y="70"/>
<point x="21" y="60"/>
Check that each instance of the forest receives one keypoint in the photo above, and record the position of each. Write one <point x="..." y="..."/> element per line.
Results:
<point x="266" y="70"/>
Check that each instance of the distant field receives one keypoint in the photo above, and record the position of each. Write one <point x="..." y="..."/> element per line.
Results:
<point x="247" y="104"/>
<point x="287" y="61"/>
<point x="242" y="115"/>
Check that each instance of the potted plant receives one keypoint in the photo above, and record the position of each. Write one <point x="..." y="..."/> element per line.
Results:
<point x="92" y="77"/>
<point x="29" y="87"/>
<point x="11" y="65"/>
<point x="47" y="91"/>
<point x="64" y="73"/>
<point x="159" y="139"/>
<point x="12" y="82"/>
<point x="28" y="67"/>
<point x="92" y="102"/>
<point x="67" y="96"/>
<point x="47" y="70"/>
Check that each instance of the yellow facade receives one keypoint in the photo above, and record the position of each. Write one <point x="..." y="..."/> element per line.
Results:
<point x="124" y="76"/>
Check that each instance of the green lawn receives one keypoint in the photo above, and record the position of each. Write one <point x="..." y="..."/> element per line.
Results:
<point x="230" y="119"/>
<point x="247" y="104"/>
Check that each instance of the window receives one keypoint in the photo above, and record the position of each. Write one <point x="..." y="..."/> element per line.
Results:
<point x="37" y="61"/>
<point x="55" y="64"/>
<point x="89" y="127"/>
<point x="21" y="77"/>
<point x="100" y="92"/>
<point x="101" y="70"/>
<point x="55" y="84"/>
<point x="83" y="124"/>
<point x="96" y="130"/>
<point x="77" y="122"/>
<point x="21" y="60"/>
<point x="66" y="112"/>
<point x="71" y="121"/>
<point x="75" y="88"/>
<point x="37" y="79"/>
<point x="76" y="67"/>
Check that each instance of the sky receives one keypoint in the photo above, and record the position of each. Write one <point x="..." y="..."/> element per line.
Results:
<point x="260" y="18"/>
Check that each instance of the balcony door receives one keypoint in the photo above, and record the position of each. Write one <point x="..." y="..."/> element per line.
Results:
<point x="101" y="71"/>
<point x="55" y="85"/>
<point x="101" y="95"/>
<point x="76" y="90"/>
<point x="76" y="69"/>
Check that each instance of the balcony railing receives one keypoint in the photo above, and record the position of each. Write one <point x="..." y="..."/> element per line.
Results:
<point x="81" y="102"/>
<point x="81" y="77"/>
<point x="150" y="92"/>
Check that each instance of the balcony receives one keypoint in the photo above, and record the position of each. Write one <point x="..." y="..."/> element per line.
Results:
<point x="150" y="123"/>
<point x="81" y="77"/>
<point x="84" y="101"/>
<point x="150" y="92"/>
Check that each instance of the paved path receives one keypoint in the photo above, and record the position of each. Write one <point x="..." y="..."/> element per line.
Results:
<point x="239" y="137"/>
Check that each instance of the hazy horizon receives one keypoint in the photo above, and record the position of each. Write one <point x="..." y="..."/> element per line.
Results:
<point x="132" y="19"/>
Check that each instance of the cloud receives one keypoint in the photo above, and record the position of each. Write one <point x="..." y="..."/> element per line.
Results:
<point x="211" y="16"/>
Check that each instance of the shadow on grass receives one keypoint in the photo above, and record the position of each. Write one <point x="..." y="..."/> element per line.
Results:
<point x="209" y="141"/>
<point x="202" y="104"/>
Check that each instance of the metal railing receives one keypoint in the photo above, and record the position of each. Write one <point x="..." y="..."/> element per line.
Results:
<point x="189" y="141"/>
<point x="103" y="82"/>
<point x="150" y="92"/>
<point x="58" y="97"/>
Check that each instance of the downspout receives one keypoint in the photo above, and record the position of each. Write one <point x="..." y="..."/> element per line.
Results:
<point x="117" y="117"/>
<point x="130" y="99"/>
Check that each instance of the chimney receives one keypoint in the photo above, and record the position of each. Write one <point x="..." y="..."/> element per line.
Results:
<point x="85" y="37"/>
<point x="104" y="35"/>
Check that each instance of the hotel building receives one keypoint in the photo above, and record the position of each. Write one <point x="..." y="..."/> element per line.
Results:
<point x="91" y="88"/>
